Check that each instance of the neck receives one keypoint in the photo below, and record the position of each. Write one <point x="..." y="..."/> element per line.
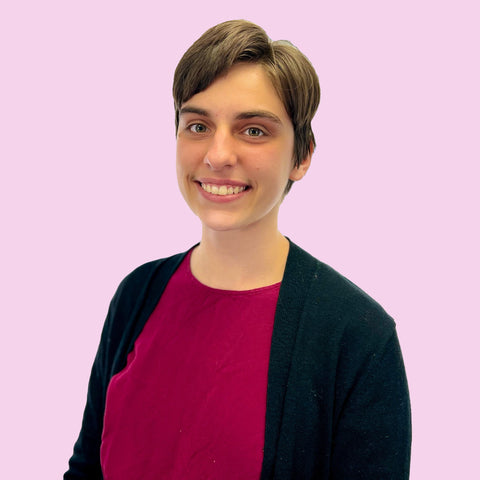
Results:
<point x="240" y="260"/>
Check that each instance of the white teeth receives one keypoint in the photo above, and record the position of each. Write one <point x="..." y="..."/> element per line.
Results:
<point x="222" y="189"/>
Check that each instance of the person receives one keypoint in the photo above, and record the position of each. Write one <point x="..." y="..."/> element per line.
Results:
<point x="244" y="357"/>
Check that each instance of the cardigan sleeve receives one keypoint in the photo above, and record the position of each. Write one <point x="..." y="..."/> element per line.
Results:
<point x="372" y="434"/>
<point x="337" y="401"/>
<point x="130" y="308"/>
<point x="128" y="311"/>
<point x="85" y="461"/>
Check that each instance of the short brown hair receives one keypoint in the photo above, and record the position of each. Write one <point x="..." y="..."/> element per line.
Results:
<point x="235" y="41"/>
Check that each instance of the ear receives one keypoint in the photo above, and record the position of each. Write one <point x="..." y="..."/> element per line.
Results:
<point x="299" y="172"/>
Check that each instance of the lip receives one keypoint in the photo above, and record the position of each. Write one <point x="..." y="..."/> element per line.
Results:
<point x="221" y="181"/>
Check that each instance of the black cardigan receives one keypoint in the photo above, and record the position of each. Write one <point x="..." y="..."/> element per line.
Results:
<point x="337" y="396"/>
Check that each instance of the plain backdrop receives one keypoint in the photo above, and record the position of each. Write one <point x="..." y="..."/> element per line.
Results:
<point x="88" y="192"/>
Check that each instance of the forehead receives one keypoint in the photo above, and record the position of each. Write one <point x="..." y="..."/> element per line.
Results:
<point x="245" y="87"/>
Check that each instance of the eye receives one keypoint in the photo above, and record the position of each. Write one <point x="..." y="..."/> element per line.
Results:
<point x="197" y="128"/>
<point x="254" y="132"/>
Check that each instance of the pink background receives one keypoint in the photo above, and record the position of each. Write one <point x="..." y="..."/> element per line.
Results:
<point x="88" y="192"/>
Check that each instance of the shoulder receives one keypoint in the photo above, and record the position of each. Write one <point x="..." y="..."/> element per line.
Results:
<point x="131" y="306"/>
<point x="140" y="291"/>
<point x="140" y="280"/>
<point x="332" y="304"/>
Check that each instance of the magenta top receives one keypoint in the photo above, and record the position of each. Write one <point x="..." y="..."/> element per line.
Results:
<point x="191" y="401"/>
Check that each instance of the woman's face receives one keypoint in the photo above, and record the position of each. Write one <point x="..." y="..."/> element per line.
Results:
<point x="235" y="151"/>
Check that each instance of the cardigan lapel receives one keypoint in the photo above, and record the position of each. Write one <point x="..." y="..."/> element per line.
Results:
<point x="299" y="269"/>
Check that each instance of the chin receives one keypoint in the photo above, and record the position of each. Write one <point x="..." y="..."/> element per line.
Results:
<point x="219" y="225"/>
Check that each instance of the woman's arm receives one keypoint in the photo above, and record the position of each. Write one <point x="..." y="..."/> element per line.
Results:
<point x="372" y="435"/>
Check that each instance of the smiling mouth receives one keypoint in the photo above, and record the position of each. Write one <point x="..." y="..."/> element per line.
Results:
<point x="222" y="189"/>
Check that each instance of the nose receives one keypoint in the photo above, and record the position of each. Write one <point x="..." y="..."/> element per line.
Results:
<point x="221" y="150"/>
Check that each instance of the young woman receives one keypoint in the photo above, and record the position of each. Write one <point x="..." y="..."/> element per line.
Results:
<point x="245" y="357"/>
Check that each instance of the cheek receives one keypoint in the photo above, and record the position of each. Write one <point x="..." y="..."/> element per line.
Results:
<point x="182" y="167"/>
<point x="188" y="154"/>
<point x="182" y="158"/>
<point x="279" y="166"/>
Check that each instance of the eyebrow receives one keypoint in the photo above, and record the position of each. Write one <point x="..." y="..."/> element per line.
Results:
<point x="259" y="114"/>
<point x="241" y="116"/>
<point x="198" y="111"/>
